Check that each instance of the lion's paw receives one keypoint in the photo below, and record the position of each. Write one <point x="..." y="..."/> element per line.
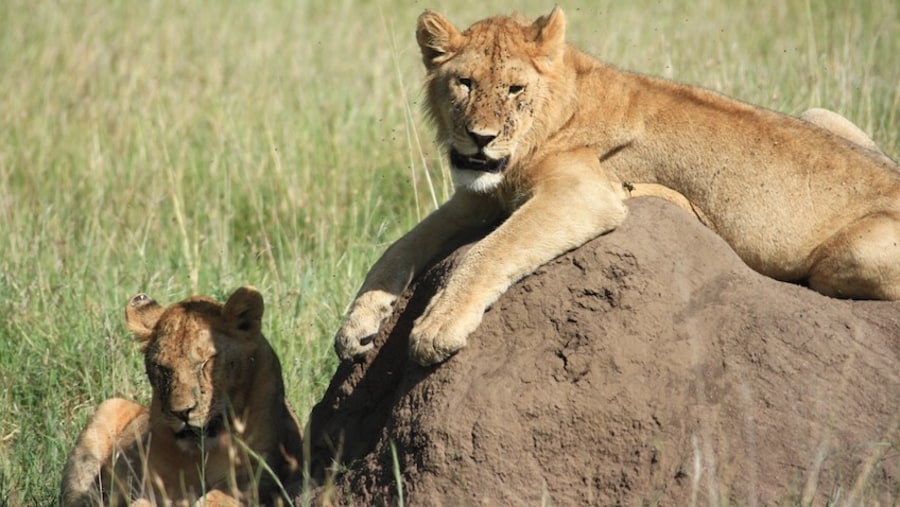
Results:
<point x="437" y="335"/>
<point x="356" y="336"/>
<point x="427" y="346"/>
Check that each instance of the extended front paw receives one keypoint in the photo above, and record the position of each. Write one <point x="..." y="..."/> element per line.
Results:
<point x="215" y="498"/>
<point x="437" y="335"/>
<point x="357" y="334"/>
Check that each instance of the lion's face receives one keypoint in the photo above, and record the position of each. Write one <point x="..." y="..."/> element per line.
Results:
<point x="488" y="108"/>
<point x="488" y="90"/>
<point x="198" y="355"/>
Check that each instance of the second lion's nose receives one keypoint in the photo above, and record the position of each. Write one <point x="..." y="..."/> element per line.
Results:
<point x="183" y="414"/>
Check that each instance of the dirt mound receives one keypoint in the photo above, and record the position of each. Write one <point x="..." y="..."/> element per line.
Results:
<point x="650" y="366"/>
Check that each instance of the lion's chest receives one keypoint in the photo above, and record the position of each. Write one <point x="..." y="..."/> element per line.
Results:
<point x="187" y="470"/>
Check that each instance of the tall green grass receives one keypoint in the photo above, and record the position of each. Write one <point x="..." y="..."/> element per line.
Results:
<point x="175" y="148"/>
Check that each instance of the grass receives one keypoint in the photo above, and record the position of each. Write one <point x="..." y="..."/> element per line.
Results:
<point x="191" y="147"/>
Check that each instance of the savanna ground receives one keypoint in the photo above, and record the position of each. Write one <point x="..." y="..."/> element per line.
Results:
<point x="176" y="148"/>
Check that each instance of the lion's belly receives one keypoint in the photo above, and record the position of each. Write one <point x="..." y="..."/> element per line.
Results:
<point x="769" y="251"/>
<point x="774" y="213"/>
<point x="776" y="232"/>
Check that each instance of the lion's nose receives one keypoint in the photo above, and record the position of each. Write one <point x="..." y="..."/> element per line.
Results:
<point x="481" y="140"/>
<point x="183" y="414"/>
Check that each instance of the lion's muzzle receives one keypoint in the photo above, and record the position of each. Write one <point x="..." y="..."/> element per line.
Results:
<point x="210" y="430"/>
<point x="477" y="162"/>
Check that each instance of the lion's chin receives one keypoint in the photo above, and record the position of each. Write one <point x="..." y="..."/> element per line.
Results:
<point x="477" y="162"/>
<point x="476" y="181"/>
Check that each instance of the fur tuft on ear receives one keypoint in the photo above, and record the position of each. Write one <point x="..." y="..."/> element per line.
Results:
<point x="551" y="34"/>
<point x="245" y="309"/>
<point x="141" y="315"/>
<point x="438" y="39"/>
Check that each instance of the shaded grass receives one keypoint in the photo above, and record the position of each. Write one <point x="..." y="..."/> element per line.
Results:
<point x="191" y="147"/>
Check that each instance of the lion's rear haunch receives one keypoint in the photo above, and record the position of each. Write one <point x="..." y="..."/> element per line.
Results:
<point x="218" y="426"/>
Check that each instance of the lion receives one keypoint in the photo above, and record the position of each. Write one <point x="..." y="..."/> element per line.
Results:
<point x="218" y="430"/>
<point x="550" y="141"/>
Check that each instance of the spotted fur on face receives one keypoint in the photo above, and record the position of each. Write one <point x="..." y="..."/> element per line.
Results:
<point x="486" y="87"/>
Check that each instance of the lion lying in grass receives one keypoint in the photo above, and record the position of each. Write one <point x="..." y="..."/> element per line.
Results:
<point x="218" y="428"/>
<point x="544" y="137"/>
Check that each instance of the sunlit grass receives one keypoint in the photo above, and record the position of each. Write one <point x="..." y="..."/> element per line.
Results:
<point x="192" y="147"/>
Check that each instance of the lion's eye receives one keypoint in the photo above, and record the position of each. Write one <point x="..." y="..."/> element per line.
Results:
<point x="515" y="90"/>
<point x="159" y="375"/>
<point x="465" y="83"/>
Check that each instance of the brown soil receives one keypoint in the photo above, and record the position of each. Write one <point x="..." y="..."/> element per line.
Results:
<point x="648" y="367"/>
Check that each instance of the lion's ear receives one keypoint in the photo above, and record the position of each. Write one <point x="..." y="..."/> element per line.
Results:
<point x="438" y="38"/>
<point x="551" y="35"/>
<point x="245" y="309"/>
<point x="141" y="315"/>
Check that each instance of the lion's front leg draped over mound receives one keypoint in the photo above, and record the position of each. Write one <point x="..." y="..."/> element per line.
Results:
<point x="549" y="138"/>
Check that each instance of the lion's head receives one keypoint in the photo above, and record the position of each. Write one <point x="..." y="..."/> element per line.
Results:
<point x="199" y="355"/>
<point x="489" y="89"/>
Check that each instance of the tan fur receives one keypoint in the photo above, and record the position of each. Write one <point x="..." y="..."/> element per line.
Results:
<point x="217" y="410"/>
<point x="552" y="140"/>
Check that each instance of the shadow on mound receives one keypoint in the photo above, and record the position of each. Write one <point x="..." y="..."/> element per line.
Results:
<point x="650" y="366"/>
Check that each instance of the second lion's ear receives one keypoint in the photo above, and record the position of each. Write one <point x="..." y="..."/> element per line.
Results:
<point x="141" y="315"/>
<point x="438" y="39"/>
<point x="244" y="309"/>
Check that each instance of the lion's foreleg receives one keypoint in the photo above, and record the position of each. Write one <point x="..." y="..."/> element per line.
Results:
<point x="401" y="262"/>
<point x="115" y="427"/>
<point x="571" y="203"/>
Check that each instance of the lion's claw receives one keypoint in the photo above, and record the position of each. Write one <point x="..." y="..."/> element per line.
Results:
<point x="349" y="349"/>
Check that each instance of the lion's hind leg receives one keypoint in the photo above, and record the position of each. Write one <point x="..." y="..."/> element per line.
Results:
<point x="840" y="126"/>
<point x="116" y="427"/>
<point x="666" y="193"/>
<point x="861" y="261"/>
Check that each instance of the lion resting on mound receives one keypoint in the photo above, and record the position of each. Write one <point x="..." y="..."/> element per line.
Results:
<point x="218" y="428"/>
<point x="544" y="137"/>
